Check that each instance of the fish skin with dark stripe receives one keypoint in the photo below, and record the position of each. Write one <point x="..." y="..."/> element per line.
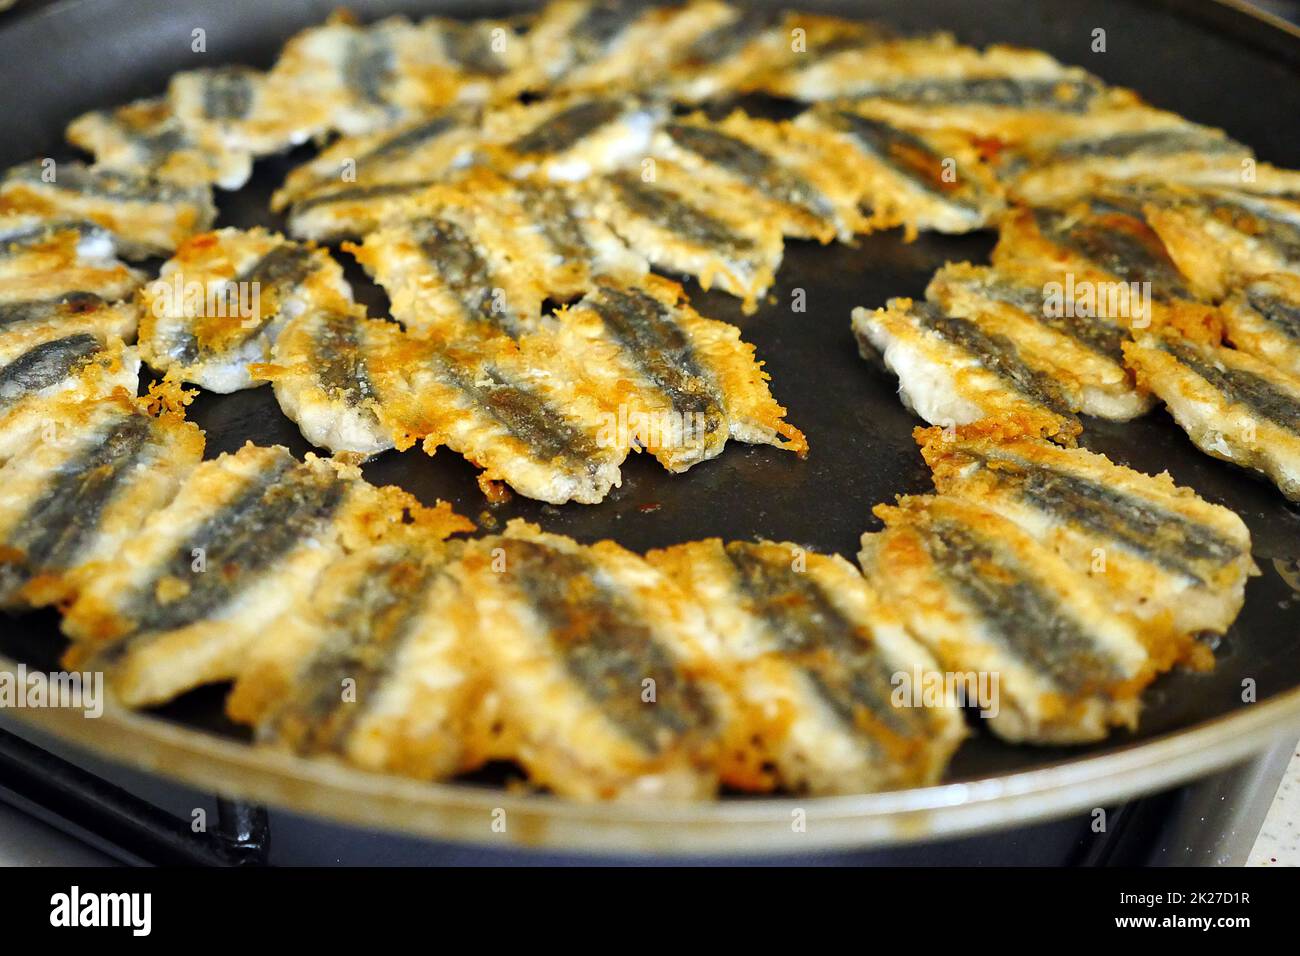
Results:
<point x="79" y="500"/>
<point x="1167" y="554"/>
<point x="1081" y="351"/>
<point x="487" y="401"/>
<point x="1263" y="318"/>
<point x="985" y="597"/>
<point x="327" y="369"/>
<point x="214" y="342"/>
<point x="813" y="655"/>
<point x="597" y="657"/>
<point x="244" y="538"/>
<point x="146" y="216"/>
<point x="1232" y="405"/>
<point x="951" y="372"/>
<point x="376" y="668"/>
<point x="667" y="379"/>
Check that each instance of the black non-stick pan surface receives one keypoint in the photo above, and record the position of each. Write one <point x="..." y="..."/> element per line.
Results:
<point x="1210" y="63"/>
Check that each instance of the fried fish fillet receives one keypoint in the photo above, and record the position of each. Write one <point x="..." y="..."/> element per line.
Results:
<point x="26" y="324"/>
<point x="83" y="363"/>
<point x="504" y="409"/>
<point x="353" y="212"/>
<point x="987" y="599"/>
<point x="77" y="491"/>
<point x="1232" y="405"/>
<point x="147" y="216"/>
<point x="600" y="667"/>
<point x="369" y="77"/>
<point x="1083" y="349"/>
<point x="813" y="659"/>
<point x="1133" y="144"/>
<point x="246" y="111"/>
<point x="146" y="138"/>
<point x="541" y="238"/>
<point x="667" y="379"/>
<point x="220" y="302"/>
<point x="376" y="668"/>
<point x="1104" y="237"/>
<point x="1263" y="318"/>
<point x="951" y="371"/>
<point x="1219" y="238"/>
<point x="940" y="82"/>
<point x="418" y="152"/>
<point x="779" y="53"/>
<point x="609" y="44"/>
<point x="322" y="369"/>
<point x="448" y="269"/>
<point x="570" y="138"/>
<point x="732" y="56"/>
<point x="243" y="540"/>
<point x="1155" y="549"/>
<point x="714" y="231"/>
<point x="31" y="244"/>
<point x="805" y="177"/>
<point x="922" y="179"/>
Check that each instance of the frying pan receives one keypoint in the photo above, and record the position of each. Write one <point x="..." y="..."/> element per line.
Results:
<point x="1213" y="63"/>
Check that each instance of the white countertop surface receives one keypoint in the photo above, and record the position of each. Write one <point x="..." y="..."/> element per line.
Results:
<point x="1278" y="843"/>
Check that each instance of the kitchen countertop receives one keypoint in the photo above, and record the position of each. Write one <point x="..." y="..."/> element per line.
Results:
<point x="1278" y="843"/>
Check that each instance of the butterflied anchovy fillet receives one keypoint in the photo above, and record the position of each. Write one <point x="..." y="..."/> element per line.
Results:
<point x="371" y="77"/>
<point x="353" y="212"/>
<point x="545" y="233"/>
<point x="1157" y="551"/>
<point x="990" y="601"/>
<point x="923" y="179"/>
<point x="376" y="667"/>
<point x="147" y="139"/>
<point x="570" y="138"/>
<point x="507" y="412"/>
<point x="1139" y="143"/>
<point x="245" y="110"/>
<point x="418" y="152"/>
<point x="146" y="216"/>
<point x="220" y="302"/>
<point x="82" y="364"/>
<point x="937" y="76"/>
<point x="1221" y="237"/>
<point x="485" y="53"/>
<point x="731" y="56"/>
<point x="80" y="488"/>
<point x="815" y="661"/>
<point x="714" y="231"/>
<point x="1103" y="239"/>
<point x="952" y="372"/>
<point x="667" y="379"/>
<point x="242" y="541"/>
<point x="447" y="269"/>
<point x="1232" y="405"/>
<point x="31" y="244"/>
<point x="1263" y="318"/>
<point x="27" y="323"/>
<point x="542" y="236"/>
<point x="323" y="367"/>
<point x="1071" y="335"/>
<point x="598" y="663"/>
<point x="610" y="44"/>
<point x="62" y="275"/>
<point x="807" y="178"/>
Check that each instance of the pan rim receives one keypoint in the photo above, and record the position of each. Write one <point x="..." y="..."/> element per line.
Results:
<point x="464" y="813"/>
